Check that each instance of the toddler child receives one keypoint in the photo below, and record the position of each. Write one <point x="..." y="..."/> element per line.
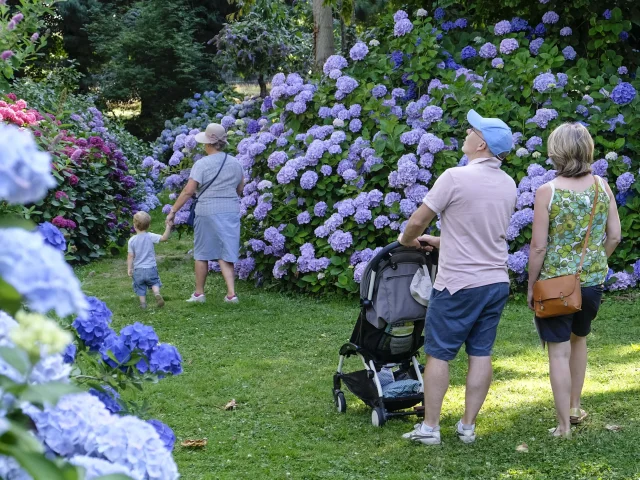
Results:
<point x="141" y="261"/>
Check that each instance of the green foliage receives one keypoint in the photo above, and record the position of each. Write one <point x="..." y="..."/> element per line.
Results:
<point x="271" y="38"/>
<point x="21" y="36"/>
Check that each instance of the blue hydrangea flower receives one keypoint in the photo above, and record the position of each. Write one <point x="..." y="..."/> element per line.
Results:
<point x="355" y="125"/>
<point x="39" y="273"/>
<point x="439" y="13"/>
<point x="69" y="354"/>
<point x="623" y="93"/>
<point x="622" y="281"/>
<point x="334" y="62"/>
<point x="544" y="82"/>
<point x="396" y="58"/>
<point x="308" y="180"/>
<point x="519" y="25"/>
<point x="607" y="14"/>
<point x="114" y="345"/>
<point x="519" y="220"/>
<point x="166" y="359"/>
<point x="96" y="467"/>
<point x="540" y="30"/>
<point x="346" y="84"/>
<point x="623" y="36"/>
<point x="25" y="171"/>
<point x="566" y="31"/>
<point x="534" y="46"/>
<point x="599" y="167"/>
<point x="52" y="236"/>
<point x="625" y="181"/>
<point x="497" y="63"/>
<point x="460" y="23"/>
<point x="140" y="337"/>
<point x="517" y="262"/>
<point x="543" y="116"/>
<point x="165" y="432"/>
<point x="340" y="240"/>
<point x="412" y="137"/>
<point x="109" y="397"/>
<point x="430" y="143"/>
<point x="362" y="215"/>
<point x="468" y="52"/>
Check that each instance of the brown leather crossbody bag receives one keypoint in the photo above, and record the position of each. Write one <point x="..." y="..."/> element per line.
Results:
<point x="562" y="295"/>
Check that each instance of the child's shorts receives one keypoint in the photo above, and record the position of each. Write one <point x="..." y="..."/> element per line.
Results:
<point x="144" y="278"/>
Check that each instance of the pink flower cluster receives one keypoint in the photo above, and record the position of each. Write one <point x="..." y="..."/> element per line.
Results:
<point x="17" y="112"/>
<point x="62" y="222"/>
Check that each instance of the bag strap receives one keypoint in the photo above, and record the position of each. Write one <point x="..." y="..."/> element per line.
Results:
<point x="214" y="178"/>
<point x="593" y="212"/>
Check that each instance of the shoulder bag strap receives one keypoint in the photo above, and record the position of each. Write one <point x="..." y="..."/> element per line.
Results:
<point x="593" y="211"/>
<point x="214" y="178"/>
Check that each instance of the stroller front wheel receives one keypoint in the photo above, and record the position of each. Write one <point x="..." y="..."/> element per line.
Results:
<point x="378" y="417"/>
<point x="340" y="402"/>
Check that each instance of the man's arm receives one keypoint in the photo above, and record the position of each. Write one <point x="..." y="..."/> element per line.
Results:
<point x="416" y="226"/>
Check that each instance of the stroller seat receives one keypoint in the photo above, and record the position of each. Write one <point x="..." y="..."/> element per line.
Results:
<point x="388" y="335"/>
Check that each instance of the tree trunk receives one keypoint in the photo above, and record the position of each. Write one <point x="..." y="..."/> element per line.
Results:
<point x="323" y="45"/>
<point x="263" y="86"/>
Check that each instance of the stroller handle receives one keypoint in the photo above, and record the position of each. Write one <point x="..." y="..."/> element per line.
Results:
<point x="375" y="261"/>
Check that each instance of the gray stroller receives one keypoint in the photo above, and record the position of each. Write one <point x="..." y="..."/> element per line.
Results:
<point x="388" y="336"/>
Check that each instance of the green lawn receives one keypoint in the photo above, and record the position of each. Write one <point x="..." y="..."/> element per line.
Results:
<point x="275" y="354"/>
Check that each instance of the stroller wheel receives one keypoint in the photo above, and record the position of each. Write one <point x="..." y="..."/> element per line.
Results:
<point x="341" y="403"/>
<point x="378" y="417"/>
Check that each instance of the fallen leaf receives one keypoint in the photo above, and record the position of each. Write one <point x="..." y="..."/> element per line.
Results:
<point x="201" y="443"/>
<point x="231" y="405"/>
<point x="613" y="428"/>
<point x="522" y="448"/>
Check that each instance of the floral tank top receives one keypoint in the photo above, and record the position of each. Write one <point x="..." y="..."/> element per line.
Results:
<point x="569" y="214"/>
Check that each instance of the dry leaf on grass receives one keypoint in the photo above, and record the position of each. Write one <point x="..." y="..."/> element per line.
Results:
<point x="194" y="443"/>
<point x="231" y="405"/>
<point x="613" y="428"/>
<point x="522" y="448"/>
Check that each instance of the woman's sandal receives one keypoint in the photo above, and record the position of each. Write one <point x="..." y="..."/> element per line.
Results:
<point x="577" y="416"/>
<point x="566" y="435"/>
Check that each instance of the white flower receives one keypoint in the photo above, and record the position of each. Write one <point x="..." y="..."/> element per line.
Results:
<point x="421" y="12"/>
<point x="239" y="122"/>
<point x="374" y="43"/>
<point x="535" y="154"/>
<point x="262" y="122"/>
<point x="478" y="39"/>
<point x="35" y="330"/>
<point x="522" y="152"/>
<point x="240" y="133"/>
<point x="320" y="276"/>
<point x="338" y="123"/>
<point x="611" y="156"/>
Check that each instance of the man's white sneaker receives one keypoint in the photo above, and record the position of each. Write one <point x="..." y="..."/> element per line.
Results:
<point x="421" y="434"/>
<point x="196" y="299"/>
<point x="465" y="435"/>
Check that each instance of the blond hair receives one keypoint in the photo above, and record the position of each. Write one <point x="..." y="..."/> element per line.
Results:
<point x="141" y="221"/>
<point x="570" y="147"/>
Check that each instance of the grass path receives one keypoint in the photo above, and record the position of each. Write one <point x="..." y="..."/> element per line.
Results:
<point x="275" y="354"/>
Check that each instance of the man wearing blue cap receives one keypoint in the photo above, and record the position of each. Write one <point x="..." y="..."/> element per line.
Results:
<point x="475" y="203"/>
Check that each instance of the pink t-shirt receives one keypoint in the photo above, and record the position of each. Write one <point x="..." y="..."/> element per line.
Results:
<point x="476" y="203"/>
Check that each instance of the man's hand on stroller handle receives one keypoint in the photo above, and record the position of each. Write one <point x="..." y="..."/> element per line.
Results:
<point x="424" y="242"/>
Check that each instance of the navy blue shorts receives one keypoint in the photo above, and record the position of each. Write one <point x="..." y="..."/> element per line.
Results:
<point x="144" y="278"/>
<point x="470" y="316"/>
<point x="559" y="329"/>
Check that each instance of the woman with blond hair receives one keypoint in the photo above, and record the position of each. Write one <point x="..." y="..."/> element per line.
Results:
<point x="561" y="218"/>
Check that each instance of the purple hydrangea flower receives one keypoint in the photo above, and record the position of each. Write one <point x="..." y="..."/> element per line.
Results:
<point x="402" y="27"/>
<point x="569" y="53"/>
<point x="533" y="142"/>
<point x="412" y="137"/>
<point x="355" y="125"/>
<point x="363" y="215"/>
<point x="326" y="170"/>
<point x="517" y="262"/>
<point x="349" y="174"/>
<point x="623" y="93"/>
<point x="320" y="209"/>
<point x="544" y="82"/>
<point x="340" y="240"/>
<point x="432" y="114"/>
<point x="430" y="143"/>
<point x="623" y="281"/>
<point x="534" y="46"/>
<point x="497" y="63"/>
<point x="508" y="46"/>
<point x="600" y="167"/>
<point x="543" y="116"/>
<point x="407" y="207"/>
<point x="488" y="50"/>
<point x="391" y="198"/>
<point x="502" y="28"/>
<point x="358" y="51"/>
<point x="550" y="17"/>
<point x="379" y="91"/>
<point x="308" y="180"/>
<point x="304" y="218"/>
<point x="625" y="181"/>
<point x="566" y="31"/>
<point x="346" y="84"/>
<point x="519" y="25"/>
<point x="334" y="62"/>
<point x="381" y="221"/>
<point x="519" y="220"/>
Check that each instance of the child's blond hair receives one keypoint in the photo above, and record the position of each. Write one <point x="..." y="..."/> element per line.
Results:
<point x="141" y="221"/>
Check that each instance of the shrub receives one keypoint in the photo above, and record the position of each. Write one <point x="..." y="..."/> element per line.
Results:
<point x="341" y="161"/>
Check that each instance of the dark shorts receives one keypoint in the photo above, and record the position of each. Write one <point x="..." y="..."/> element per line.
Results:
<point x="470" y="316"/>
<point x="559" y="329"/>
<point x="144" y="278"/>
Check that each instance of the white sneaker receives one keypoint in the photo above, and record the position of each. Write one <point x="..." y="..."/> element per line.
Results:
<point x="465" y="436"/>
<point x="418" y="434"/>
<point x="198" y="299"/>
<point x="233" y="299"/>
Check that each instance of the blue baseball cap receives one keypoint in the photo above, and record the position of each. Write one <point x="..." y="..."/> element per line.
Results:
<point x="496" y="133"/>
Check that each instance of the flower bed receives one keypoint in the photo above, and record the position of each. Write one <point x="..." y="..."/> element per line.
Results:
<point x="338" y="163"/>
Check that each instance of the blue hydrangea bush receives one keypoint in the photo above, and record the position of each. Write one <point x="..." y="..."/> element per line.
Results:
<point x="337" y="163"/>
<point x="51" y="428"/>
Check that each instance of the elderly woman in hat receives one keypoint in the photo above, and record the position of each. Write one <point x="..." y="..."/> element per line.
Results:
<point x="217" y="180"/>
